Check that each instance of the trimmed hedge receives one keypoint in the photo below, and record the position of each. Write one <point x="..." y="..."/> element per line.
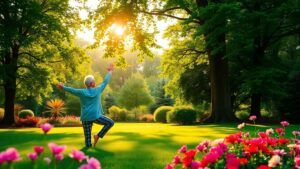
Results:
<point x="242" y="114"/>
<point x="25" y="113"/>
<point x="117" y="114"/>
<point x="160" y="114"/>
<point x="182" y="115"/>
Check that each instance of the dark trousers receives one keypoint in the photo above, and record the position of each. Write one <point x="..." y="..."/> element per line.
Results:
<point x="87" y="128"/>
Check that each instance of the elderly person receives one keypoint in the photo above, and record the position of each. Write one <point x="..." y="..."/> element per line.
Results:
<point x="91" y="108"/>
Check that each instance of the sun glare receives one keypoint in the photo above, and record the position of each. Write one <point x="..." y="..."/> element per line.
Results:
<point x="117" y="29"/>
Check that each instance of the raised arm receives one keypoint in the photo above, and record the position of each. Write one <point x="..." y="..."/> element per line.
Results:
<point x="76" y="92"/>
<point x="110" y="69"/>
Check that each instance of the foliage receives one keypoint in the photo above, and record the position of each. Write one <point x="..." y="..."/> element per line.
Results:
<point x="28" y="121"/>
<point x="160" y="114"/>
<point x="265" y="113"/>
<point x="242" y="114"/>
<point x="2" y="111"/>
<point x="134" y="92"/>
<point x="109" y="101"/>
<point x="160" y="96"/>
<point x="23" y="114"/>
<point x="56" y="107"/>
<point x="18" y="108"/>
<point x="146" y="118"/>
<point x="72" y="106"/>
<point x="62" y="121"/>
<point x="241" y="150"/>
<point x="118" y="114"/>
<point x="38" y="49"/>
<point x="138" y="111"/>
<point x="182" y="115"/>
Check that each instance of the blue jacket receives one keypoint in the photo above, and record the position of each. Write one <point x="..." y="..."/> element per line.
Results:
<point x="90" y="100"/>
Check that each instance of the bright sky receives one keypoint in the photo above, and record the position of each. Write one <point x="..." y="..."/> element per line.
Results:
<point x="88" y="34"/>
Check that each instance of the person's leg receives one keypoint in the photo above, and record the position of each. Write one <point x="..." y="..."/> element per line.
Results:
<point x="107" y="122"/>
<point x="87" y="129"/>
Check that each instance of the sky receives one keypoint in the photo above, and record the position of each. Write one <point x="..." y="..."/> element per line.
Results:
<point x="87" y="34"/>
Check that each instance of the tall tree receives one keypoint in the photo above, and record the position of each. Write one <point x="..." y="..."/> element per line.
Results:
<point x="204" y="18"/>
<point x="255" y="31"/>
<point x="134" y="92"/>
<point x="35" y="47"/>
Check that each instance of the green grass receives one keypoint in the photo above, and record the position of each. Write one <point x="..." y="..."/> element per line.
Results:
<point x="127" y="145"/>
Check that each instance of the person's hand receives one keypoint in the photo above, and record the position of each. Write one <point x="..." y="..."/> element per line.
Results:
<point x="110" y="67"/>
<point x="60" y="85"/>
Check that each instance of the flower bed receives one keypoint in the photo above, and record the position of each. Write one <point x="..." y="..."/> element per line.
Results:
<point x="265" y="150"/>
<point x="11" y="155"/>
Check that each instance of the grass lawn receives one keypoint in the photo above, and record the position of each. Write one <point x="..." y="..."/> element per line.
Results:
<point x="126" y="146"/>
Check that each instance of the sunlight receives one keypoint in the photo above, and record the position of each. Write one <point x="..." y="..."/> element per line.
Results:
<point x="119" y="30"/>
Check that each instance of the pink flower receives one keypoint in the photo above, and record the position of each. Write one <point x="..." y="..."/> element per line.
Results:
<point x="232" y="163"/>
<point x="32" y="156"/>
<point x="48" y="160"/>
<point x="11" y="154"/>
<point x="2" y="160"/>
<point x="55" y="149"/>
<point x="176" y="160"/>
<point x="279" y="152"/>
<point x="85" y="166"/>
<point x="211" y="157"/>
<point x="46" y="127"/>
<point x="94" y="163"/>
<point x="252" y="118"/>
<point x="274" y="161"/>
<point x="77" y="155"/>
<point x="241" y="126"/>
<point x="169" y="167"/>
<point x="182" y="149"/>
<point x="296" y="133"/>
<point x="284" y="123"/>
<point x="59" y="157"/>
<point x="297" y="162"/>
<point x="195" y="164"/>
<point x="38" y="149"/>
<point x="200" y="147"/>
<point x="246" y="134"/>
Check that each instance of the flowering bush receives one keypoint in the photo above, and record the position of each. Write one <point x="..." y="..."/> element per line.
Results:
<point x="266" y="150"/>
<point x="29" y="121"/>
<point x="62" y="121"/>
<point x="11" y="155"/>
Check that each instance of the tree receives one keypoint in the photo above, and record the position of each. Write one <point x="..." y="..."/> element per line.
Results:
<point x="134" y="92"/>
<point x="205" y="19"/>
<point x="36" y="48"/>
<point x="256" y="30"/>
<point x="109" y="100"/>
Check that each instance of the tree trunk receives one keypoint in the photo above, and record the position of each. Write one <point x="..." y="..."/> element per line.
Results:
<point x="220" y="91"/>
<point x="255" y="105"/>
<point x="10" y="76"/>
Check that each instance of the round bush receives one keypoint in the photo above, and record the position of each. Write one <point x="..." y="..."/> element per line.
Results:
<point x="160" y="114"/>
<point x="182" y="115"/>
<point x="26" y="113"/>
<point x="1" y="113"/>
<point x="242" y="114"/>
<point x="265" y="113"/>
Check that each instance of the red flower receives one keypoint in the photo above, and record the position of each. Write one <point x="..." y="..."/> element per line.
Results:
<point x="233" y="138"/>
<point x="243" y="160"/>
<point x="189" y="156"/>
<point x="283" y="141"/>
<point x="262" y="134"/>
<point x="279" y="130"/>
<point x="263" y="167"/>
<point x="251" y="148"/>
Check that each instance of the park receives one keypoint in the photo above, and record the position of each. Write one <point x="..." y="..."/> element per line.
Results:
<point x="149" y="84"/>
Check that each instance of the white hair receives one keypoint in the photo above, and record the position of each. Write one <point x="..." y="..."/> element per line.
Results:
<point x="88" y="80"/>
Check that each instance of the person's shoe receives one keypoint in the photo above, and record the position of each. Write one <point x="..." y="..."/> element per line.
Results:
<point x="96" y="138"/>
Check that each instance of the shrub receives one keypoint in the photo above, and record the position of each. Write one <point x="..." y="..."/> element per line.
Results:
<point x="182" y="115"/>
<point x="56" y="107"/>
<point x="137" y="111"/>
<point x="1" y="113"/>
<point x="265" y="113"/>
<point x="117" y="113"/>
<point x="160" y="114"/>
<point x="29" y="121"/>
<point x="146" y="118"/>
<point x="25" y="113"/>
<point x="242" y="114"/>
